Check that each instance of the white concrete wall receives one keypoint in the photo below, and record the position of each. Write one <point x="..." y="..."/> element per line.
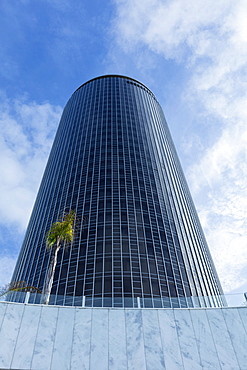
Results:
<point x="47" y="337"/>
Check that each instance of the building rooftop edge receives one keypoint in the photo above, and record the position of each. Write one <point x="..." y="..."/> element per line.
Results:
<point x="113" y="75"/>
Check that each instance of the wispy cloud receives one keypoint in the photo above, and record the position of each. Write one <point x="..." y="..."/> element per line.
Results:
<point x="210" y="39"/>
<point x="221" y="175"/>
<point x="7" y="264"/>
<point x="26" y="134"/>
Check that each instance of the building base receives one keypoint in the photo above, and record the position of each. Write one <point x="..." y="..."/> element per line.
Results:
<point x="50" y="337"/>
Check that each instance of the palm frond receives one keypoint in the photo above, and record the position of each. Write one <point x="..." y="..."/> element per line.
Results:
<point x="18" y="286"/>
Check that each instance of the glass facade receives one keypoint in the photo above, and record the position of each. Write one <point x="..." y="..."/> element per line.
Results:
<point x="137" y="231"/>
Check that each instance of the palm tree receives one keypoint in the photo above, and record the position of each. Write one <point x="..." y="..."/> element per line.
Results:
<point x="60" y="235"/>
<point x="18" y="286"/>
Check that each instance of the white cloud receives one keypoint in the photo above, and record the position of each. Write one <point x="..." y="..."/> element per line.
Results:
<point x="165" y="25"/>
<point x="227" y="158"/>
<point x="26" y="134"/>
<point x="221" y="175"/>
<point x="7" y="267"/>
<point x="210" y="39"/>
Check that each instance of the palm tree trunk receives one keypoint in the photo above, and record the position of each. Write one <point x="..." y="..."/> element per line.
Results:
<point x="50" y="275"/>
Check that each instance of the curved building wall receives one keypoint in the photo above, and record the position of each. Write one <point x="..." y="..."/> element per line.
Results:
<point x="137" y="231"/>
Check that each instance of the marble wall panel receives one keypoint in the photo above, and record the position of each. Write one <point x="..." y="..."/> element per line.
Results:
<point x="43" y="349"/>
<point x="204" y="339"/>
<point x="9" y="333"/>
<point x="99" y="340"/>
<point x="222" y="340"/>
<point x="243" y="314"/>
<point x="26" y="338"/>
<point x="237" y="334"/>
<point x="63" y="339"/>
<point x="80" y="357"/>
<point x="169" y="337"/>
<point x="135" y="341"/>
<point x="3" y="307"/>
<point x="187" y="340"/>
<point x="117" y="340"/>
<point x="152" y="340"/>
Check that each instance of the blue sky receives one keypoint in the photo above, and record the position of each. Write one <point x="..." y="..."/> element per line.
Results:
<point x="191" y="54"/>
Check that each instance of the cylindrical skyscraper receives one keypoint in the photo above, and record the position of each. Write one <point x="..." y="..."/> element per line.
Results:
<point x="137" y="231"/>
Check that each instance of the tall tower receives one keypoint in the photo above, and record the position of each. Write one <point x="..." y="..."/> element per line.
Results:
<point x="137" y="231"/>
